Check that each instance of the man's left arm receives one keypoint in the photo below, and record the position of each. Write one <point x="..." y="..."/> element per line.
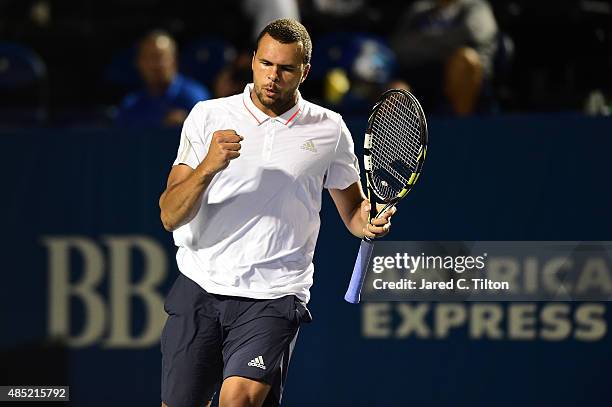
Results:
<point x="354" y="208"/>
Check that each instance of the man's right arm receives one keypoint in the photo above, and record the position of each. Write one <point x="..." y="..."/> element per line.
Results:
<point x="180" y="202"/>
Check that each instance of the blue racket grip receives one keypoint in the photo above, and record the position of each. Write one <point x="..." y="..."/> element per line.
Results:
<point x="353" y="294"/>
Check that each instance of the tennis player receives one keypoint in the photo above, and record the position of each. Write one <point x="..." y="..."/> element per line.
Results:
<point x="243" y="200"/>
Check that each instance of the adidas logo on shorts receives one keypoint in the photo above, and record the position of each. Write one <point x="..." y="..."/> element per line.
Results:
<point x="258" y="362"/>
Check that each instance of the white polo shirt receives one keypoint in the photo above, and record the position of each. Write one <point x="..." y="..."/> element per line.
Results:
<point x="255" y="232"/>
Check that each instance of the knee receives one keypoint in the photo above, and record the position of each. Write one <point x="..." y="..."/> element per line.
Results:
<point x="241" y="392"/>
<point x="464" y="60"/>
<point x="239" y="399"/>
<point x="205" y="405"/>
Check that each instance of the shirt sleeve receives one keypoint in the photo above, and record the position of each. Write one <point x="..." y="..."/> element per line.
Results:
<point x="192" y="148"/>
<point x="343" y="171"/>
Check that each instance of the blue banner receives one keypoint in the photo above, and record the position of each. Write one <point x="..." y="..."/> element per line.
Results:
<point x="87" y="265"/>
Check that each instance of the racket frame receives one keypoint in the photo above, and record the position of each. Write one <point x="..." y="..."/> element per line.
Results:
<point x="353" y="293"/>
<point x="373" y="197"/>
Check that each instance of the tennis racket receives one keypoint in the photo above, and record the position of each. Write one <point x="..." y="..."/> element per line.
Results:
<point x="395" y="146"/>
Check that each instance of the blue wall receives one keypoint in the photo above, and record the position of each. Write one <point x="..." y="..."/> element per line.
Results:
<point x="509" y="178"/>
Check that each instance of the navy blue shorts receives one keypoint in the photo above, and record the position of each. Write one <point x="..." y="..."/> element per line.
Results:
<point x="210" y="337"/>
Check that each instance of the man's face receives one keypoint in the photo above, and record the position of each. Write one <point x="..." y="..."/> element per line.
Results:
<point x="157" y="62"/>
<point x="278" y="70"/>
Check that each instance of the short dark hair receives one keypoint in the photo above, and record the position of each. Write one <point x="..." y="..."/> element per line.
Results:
<point x="287" y="31"/>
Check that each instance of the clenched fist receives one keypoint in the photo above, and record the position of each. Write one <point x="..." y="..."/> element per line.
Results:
<point x="224" y="147"/>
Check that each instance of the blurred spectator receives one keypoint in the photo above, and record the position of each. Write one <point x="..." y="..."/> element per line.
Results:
<point x="445" y="49"/>
<point x="596" y="104"/>
<point x="234" y="77"/>
<point x="361" y="72"/>
<point x="327" y="16"/>
<point x="264" y="11"/>
<point x="168" y="96"/>
<point x="23" y="85"/>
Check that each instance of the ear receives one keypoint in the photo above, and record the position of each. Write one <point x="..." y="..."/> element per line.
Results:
<point x="253" y="61"/>
<point x="305" y="74"/>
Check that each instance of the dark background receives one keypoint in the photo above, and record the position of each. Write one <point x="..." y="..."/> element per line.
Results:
<point x="562" y="49"/>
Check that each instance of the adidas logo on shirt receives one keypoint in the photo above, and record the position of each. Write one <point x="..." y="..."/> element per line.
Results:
<point x="309" y="145"/>
<point x="258" y="362"/>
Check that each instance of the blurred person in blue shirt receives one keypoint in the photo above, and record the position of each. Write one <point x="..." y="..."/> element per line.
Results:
<point x="167" y="96"/>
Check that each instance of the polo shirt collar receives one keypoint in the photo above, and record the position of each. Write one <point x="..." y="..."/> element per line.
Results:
<point x="287" y="118"/>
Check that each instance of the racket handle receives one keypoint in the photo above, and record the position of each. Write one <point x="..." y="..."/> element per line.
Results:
<point x="353" y="294"/>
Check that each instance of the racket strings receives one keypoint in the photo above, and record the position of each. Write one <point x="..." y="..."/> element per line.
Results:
<point x="409" y="121"/>
<point x="399" y="125"/>
<point x="396" y="131"/>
